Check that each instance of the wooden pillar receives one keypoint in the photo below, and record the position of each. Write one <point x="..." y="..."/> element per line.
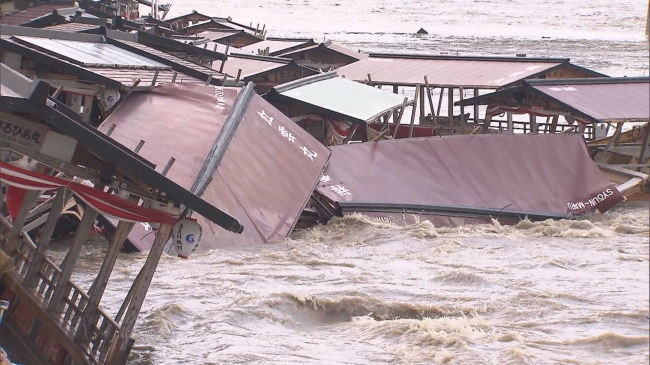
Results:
<point x="644" y="147"/>
<point x="476" y="118"/>
<point x="533" y="124"/>
<point x="433" y="111"/>
<point x="553" y="128"/>
<point x="31" y="277"/>
<point x="63" y="283"/>
<point x="462" y="111"/>
<point x="11" y="243"/>
<point x="442" y="92"/>
<point x="487" y="122"/>
<point x="99" y="285"/>
<point x="139" y="294"/>
<point x="450" y="106"/>
<point x="510" y="126"/>
<point x="415" y="104"/>
<point x="422" y="112"/>
<point x="399" y="117"/>
<point x="395" y="89"/>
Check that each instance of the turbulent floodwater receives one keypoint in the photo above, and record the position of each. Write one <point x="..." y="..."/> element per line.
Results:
<point x="361" y="292"/>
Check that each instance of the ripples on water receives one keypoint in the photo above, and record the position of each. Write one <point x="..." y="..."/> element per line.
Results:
<point x="362" y="292"/>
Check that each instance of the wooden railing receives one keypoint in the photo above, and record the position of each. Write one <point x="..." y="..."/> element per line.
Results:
<point x="102" y="332"/>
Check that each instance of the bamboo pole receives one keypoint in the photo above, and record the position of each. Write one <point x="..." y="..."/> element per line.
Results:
<point x="462" y="111"/>
<point x="442" y="92"/>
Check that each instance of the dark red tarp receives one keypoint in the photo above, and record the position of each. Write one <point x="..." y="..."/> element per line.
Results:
<point x="466" y="179"/>
<point x="265" y="178"/>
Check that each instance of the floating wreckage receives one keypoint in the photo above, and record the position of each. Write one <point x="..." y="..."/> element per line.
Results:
<point x="231" y="148"/>
<point x="465" y="179"/>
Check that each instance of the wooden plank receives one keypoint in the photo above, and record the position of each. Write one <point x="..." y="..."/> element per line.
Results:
<point x="62" y="195"/>
<point x="63" y="284"/>
<point x="612" y="142"/>
<point x="135" y="304"/>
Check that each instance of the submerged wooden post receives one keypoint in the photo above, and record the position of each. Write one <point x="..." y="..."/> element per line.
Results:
<point x="31" y="277"/>
<point x="139" y="294"/>
<point x="63" y="283"/>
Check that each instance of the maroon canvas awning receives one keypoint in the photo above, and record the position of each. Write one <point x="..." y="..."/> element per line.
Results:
<point x="466" y="179"/>
<point x="106" y="204"/>
<point x="265" y="177"/>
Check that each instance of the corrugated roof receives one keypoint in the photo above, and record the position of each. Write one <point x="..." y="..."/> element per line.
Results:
<point x="127" y="77"/>
<point x="24" y="16"/>
<point x="603" y="99"/>
<point x="478" y="72"/>
<point x="123" y="76"/>
<point x="73" y="27"/>
<point x="250" y="65"/>
<point x="330" y="46"/>
<point x="357" y="101"/>
<point x="172" y="59"/>
<point x="449" y="176"/>
<point x="215" y="34"/>
<point x="276" y="46"/>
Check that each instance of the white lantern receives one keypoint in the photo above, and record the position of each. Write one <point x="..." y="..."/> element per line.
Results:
<point x="187" y="234"/>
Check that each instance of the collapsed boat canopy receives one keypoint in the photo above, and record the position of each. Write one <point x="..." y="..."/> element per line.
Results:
<point x="590" y="100"/>
<point x="267" y="165"/>
<point x="327" y="93"/>
<point x="466" y="179"/>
